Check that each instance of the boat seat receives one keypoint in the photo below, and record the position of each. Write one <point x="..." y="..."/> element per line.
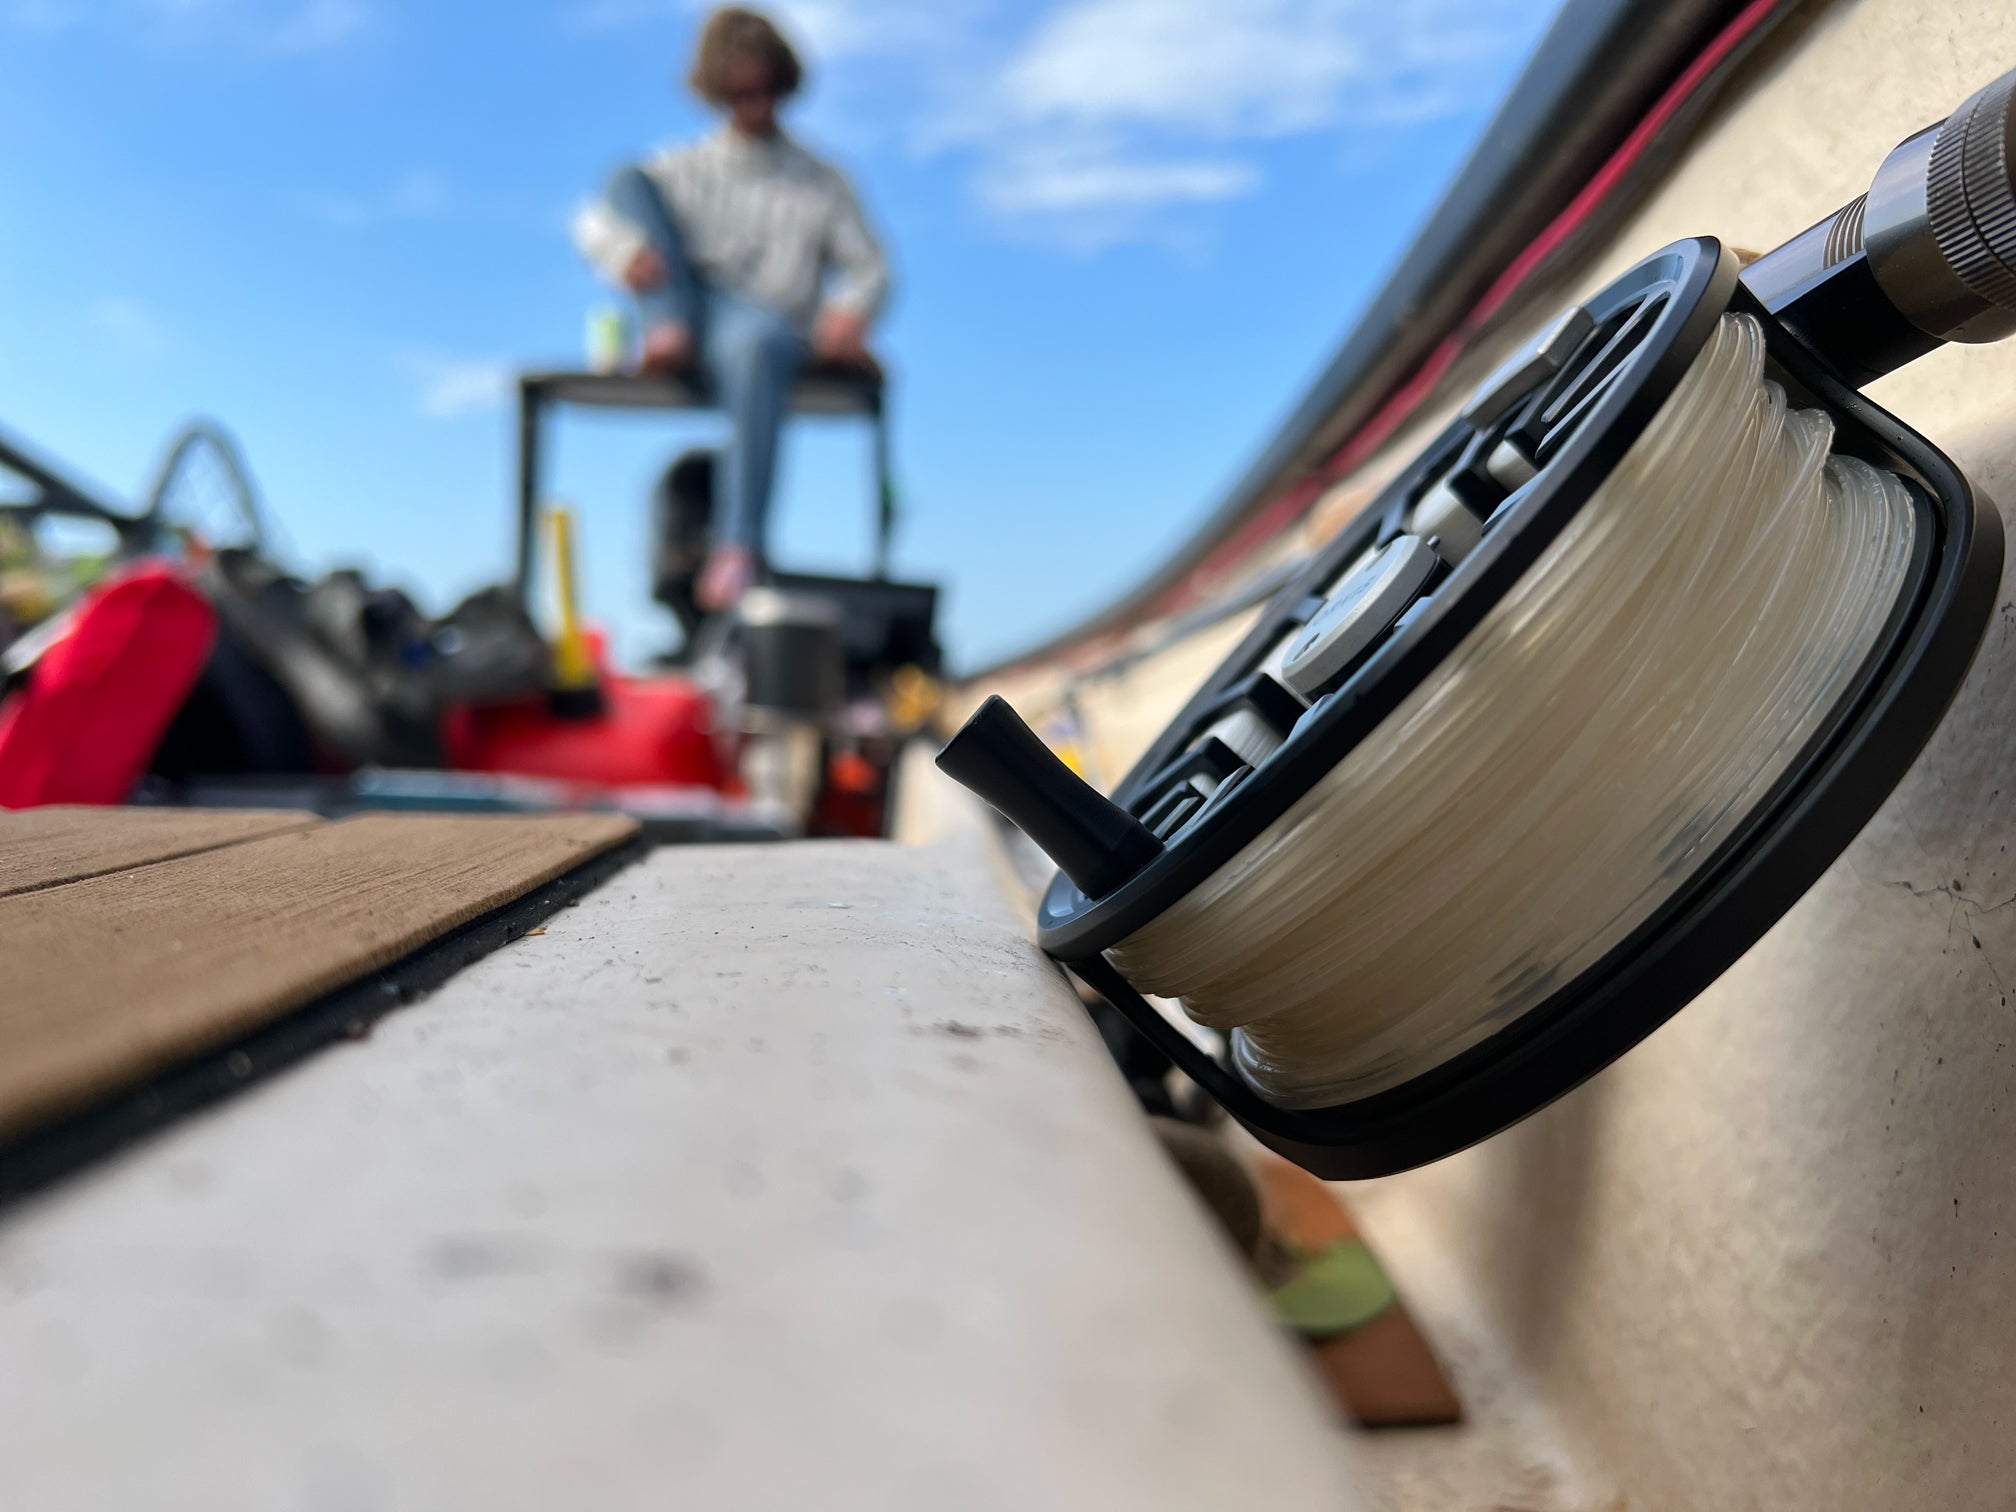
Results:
<point x="822" y="388"/>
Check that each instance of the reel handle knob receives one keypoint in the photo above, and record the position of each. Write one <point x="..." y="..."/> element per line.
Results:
<point x="1095" y="842"/>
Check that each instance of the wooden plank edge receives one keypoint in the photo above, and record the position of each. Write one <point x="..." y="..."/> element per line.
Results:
<point x="1383" y="1373"/>
<point x="40" y="1158"/>
<point x="300" y="822"/>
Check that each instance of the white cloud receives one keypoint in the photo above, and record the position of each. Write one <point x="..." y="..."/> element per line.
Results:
<point x="1258" y="68"/>
<point x="41" y="15"/>
<point x="424" y="197"/>
<point x="1051" y="181"/>
<point x="827" y="29"/>
<point x="1188" y="68"/>
<point x="835" y="29"/>
<point x="1111" y="106"/>
<point x="1104" y="120"/>
<point x="447" y="387"/>
<point x="320" y="24"/>
<point x="243" y="26"/>
<point x="1087" y="200"/>
<point x="618" y="15"/>
<point x="419" y="195"/>
<point x="127" y="326"/>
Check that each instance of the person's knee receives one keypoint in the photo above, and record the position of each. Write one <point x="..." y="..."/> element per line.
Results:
<point x="784" y="343"/>
<point x="629" y="186"/>
<point x="761" y="347"/>
<point x="775" y="344"/>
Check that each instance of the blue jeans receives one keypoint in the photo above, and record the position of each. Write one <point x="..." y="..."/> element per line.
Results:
<point x="748" y="356"/>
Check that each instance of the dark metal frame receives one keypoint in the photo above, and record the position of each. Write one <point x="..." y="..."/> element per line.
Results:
<point x="139" y="531"/>
<point x="197" y="435"/>
<point x="56" y="495"/>
<point x="820" y="389"/>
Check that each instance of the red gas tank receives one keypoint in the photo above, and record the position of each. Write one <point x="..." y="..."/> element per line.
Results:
<point x="95" y="704"/>
<point x="650" y="731"/>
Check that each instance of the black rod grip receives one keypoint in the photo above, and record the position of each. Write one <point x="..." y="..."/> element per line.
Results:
<point x="1095" y="842"/>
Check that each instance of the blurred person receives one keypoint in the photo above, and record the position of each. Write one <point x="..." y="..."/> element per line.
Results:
<point x="746" y="254"/>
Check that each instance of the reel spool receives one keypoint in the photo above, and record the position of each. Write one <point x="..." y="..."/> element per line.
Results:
<point x="1590" y="695"/>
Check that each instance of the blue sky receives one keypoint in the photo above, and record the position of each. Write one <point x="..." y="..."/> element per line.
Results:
<point x="1127" y="234"/>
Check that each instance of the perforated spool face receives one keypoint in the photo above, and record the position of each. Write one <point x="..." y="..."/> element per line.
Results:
<point x="1570" y="430"/>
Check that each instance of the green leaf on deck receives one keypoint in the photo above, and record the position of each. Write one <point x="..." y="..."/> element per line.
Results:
<point x="1341" y="1289"/>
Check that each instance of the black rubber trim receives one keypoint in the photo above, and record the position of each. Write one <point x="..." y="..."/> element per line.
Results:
<point x="50" y="1154"/>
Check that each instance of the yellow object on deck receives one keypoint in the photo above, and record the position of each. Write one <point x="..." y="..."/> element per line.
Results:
<point x="573" y="667"/>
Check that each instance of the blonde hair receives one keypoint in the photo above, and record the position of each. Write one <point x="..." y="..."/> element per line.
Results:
<point x="731" y="35"/>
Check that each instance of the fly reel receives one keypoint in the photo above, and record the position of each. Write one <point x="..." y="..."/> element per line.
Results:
<point x="1587" y="698"/>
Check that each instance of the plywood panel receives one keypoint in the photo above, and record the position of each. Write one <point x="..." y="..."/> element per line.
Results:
<point x="43" y="847"/>
<point x="108" y="980"/>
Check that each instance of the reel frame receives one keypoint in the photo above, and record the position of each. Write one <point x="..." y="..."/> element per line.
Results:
<point x="1821" y="802"/>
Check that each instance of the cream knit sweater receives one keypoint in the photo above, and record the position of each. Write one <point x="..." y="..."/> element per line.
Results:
<point x="765" y="220"/>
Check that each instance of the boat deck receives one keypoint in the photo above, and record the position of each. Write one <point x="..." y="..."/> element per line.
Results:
<point x="765" y="1176"/>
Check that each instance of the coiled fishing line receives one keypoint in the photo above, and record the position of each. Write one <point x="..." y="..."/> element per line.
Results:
<point x="1568" y="767"/>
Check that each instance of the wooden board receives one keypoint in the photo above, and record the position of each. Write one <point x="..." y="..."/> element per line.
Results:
<point x="1383" y="1373"/>
<point x="44" y="847"/>
<point x="108" y="980"/>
